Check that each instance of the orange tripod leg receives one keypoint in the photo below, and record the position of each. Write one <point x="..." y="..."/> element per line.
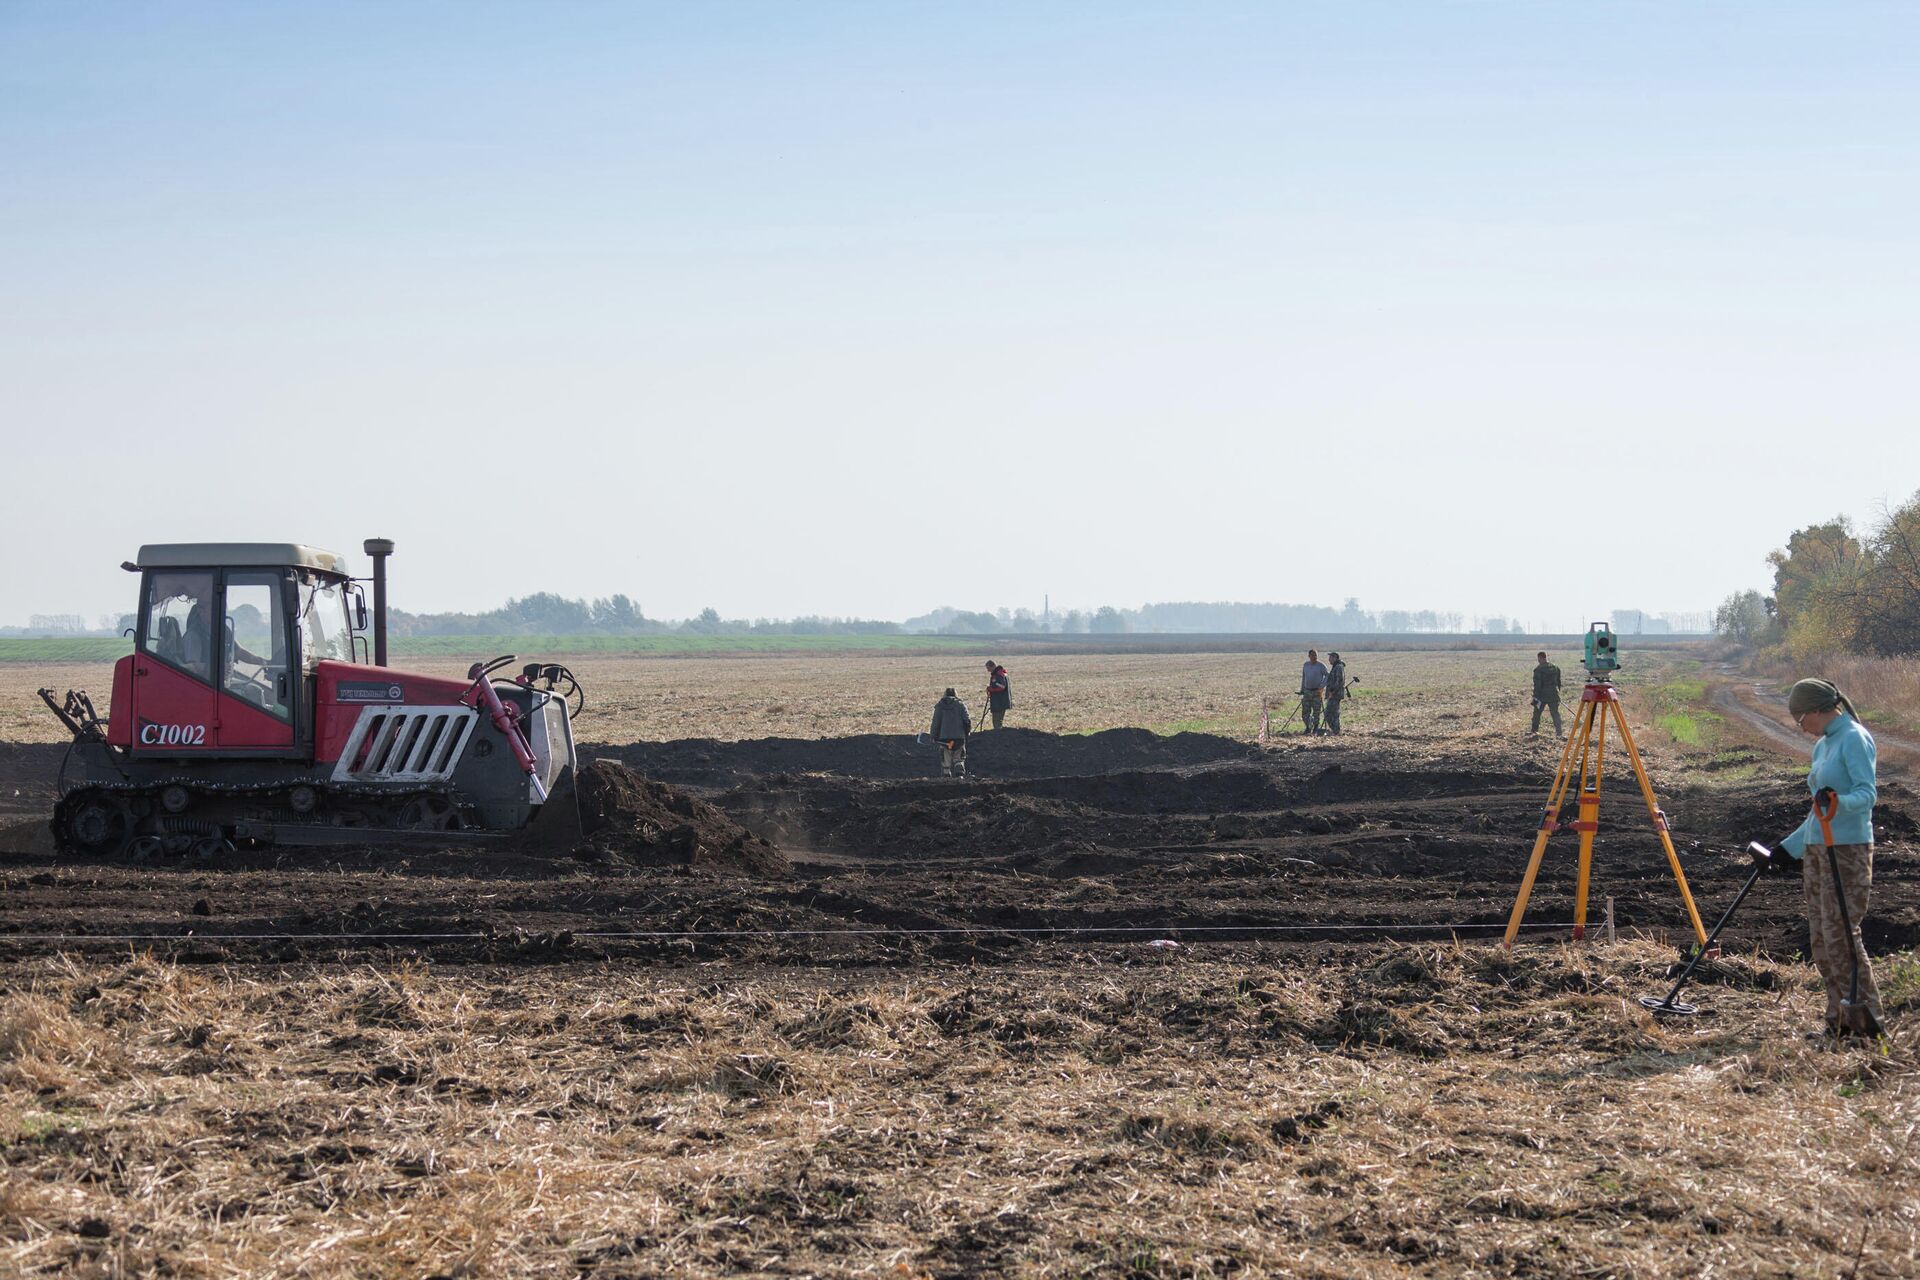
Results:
<point x="1550" y="818"/>
<point x="1660" y="824"/>
<point x="1588" y="825"/>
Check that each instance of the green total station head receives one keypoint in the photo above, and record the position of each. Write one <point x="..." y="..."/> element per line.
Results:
<point x="1601" y="653"/>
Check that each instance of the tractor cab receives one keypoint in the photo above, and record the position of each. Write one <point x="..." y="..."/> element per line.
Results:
<point x="228" y="641"/>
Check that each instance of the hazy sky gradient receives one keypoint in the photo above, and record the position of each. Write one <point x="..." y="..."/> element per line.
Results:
<point x="1526" y="308"/>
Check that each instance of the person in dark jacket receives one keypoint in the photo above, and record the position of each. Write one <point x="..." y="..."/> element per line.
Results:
<point x="1546" y="695"/>
<point x="999" y="692"/>
<point x="951" y="725"/>
<point x="1336" y="691"/>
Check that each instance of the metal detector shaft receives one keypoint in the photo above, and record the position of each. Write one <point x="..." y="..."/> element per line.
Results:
<point x="1700" y="952"/>
<point x="1290" y="715"/>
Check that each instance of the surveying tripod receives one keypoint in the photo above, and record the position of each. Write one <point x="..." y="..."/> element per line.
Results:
<point x="1597" y="700"/>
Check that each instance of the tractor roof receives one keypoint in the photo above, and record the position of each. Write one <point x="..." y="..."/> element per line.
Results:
<point x="271" y="555"/>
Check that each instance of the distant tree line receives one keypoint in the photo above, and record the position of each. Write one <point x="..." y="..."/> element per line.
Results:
<point x="547" y="614"/>
<point x="1195" y="617"/>
<point x="1835" y="591"/>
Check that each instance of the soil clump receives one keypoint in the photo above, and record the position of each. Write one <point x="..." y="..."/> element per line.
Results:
<point x="26" y="835"/>
<point x="636" y="821"/>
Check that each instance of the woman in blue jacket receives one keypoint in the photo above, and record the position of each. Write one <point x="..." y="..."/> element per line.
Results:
<point x="1844" y="761"/>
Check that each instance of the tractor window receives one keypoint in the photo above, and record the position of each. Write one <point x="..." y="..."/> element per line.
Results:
<point x="323" y="623"/>
<point x="253" y="659"/>
<point x="179" y="621"/>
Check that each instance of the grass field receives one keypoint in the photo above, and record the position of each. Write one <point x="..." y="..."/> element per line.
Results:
<point x="67" y="649"/>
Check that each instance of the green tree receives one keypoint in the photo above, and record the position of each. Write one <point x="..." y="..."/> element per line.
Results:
<point x="966" y="623"/>
<point x="1815" y="582"/>
<point x="1886" y="601"/>
<point x="618" y="613"/>
<point x="707" y="623"/>
<point x="544" y="613"/>
<point x="1746" y="618"/>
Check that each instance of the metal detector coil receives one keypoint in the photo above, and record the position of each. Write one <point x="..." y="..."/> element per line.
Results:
<point x="1669" y="1004"/>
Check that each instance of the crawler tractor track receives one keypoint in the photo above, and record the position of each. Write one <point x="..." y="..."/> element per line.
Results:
<point x="190" y="818"/>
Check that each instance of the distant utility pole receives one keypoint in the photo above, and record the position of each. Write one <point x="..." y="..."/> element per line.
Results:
<point x="1046" y="612"/>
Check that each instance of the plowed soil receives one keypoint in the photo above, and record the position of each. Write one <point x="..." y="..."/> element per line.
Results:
<point x="1120" y="1004"/>
<point x="1101" y="838"/>
<point x="637" y="822"/>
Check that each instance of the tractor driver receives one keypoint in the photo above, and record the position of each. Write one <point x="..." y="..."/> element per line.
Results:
<point x="250" y="676"/>
<point x="265" y="684"/>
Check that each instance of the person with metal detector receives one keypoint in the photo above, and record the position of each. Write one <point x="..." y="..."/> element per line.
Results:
<point x="1838" y="879"/>
<point x="999" y="692"/>
<point x="951" y="725"/>
<point x="1313" y="690"/>
<point x="1337" y="685"/>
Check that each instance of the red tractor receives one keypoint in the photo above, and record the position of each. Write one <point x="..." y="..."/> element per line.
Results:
<point x="249" y="712"/>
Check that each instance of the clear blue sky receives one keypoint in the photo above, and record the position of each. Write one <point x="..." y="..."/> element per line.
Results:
<point x="1529" y="308"/>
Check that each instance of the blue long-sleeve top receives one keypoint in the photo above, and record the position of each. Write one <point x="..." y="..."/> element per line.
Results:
<point x="1844" y="758"/>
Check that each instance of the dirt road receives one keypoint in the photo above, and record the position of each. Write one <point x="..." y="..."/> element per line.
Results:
<point x="1757" y="706"/>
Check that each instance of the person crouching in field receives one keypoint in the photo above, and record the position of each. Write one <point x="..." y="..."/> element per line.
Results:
<point x="999" y="692"/>
<point x="951" y="725"/>
<point x="1845" y="763"/>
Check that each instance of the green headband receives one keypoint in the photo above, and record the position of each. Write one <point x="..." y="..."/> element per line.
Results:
<point x="1809" y="696"/>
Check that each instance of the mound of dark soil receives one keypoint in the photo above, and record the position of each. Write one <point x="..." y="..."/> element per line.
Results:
<point x="634" y="820"/>
<point x="26" y="835"/>
<point x="999" y="753"/>
<point x="28" y="771"/>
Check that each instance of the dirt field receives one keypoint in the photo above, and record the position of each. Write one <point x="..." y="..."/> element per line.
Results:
<point x="817" y="696"/>
<point x="932" y="1036"/>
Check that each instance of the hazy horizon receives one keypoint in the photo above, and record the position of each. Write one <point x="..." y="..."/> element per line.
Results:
<point x="1053" y="617"/>
<point x="852" y="309"/>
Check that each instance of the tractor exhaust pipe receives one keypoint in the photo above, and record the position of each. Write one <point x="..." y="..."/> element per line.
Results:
<point x="379" y="549"/>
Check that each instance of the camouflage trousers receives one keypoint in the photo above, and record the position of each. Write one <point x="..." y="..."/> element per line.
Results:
<point x="953" y="759"/>
<point x="1833" y="946"/>
<point x="1310" y="703"/>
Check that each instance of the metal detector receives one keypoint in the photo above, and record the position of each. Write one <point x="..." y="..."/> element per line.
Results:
<point x="1761" y="855"/>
